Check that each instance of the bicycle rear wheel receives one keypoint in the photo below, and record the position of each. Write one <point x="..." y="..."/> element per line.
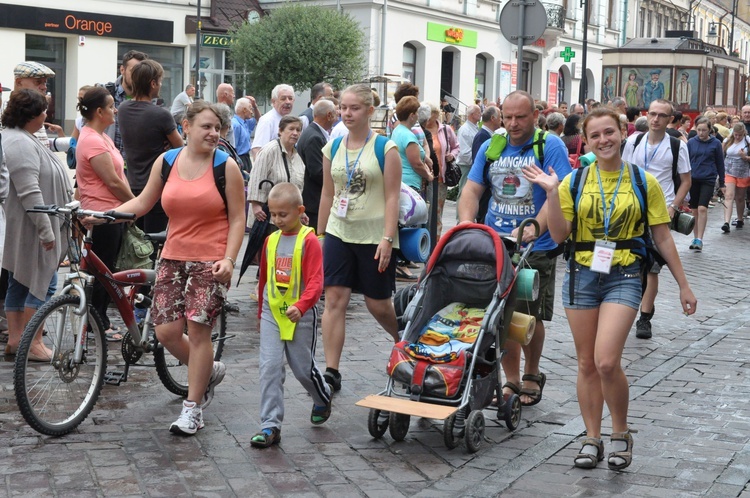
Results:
<point x="173" y="373"/>
<point x="55" y="396"/>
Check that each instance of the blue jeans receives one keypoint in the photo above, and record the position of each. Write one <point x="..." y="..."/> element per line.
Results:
<point x="18" y="296"/>
<point x="622" y="285"/>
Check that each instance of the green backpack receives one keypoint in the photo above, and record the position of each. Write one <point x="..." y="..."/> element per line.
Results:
<point x="493" y="153"/>
<point x="135" y="250"/>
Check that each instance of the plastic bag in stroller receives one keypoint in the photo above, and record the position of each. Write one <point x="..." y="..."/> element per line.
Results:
<point x="457" y="320"/>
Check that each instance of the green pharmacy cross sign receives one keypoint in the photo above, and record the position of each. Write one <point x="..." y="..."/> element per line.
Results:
<point x="567" y="54"/>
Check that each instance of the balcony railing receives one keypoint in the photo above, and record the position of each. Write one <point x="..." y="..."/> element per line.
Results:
<point x="555" y="16"/>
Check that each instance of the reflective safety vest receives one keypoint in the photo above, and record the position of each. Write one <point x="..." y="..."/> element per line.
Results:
<point x="279" y="297"/>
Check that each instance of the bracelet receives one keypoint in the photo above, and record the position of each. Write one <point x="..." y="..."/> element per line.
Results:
<point x="231" y="260"/>
<point x="674" y="207"/>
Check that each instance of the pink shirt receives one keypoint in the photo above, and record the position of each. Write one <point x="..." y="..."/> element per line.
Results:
<point x="198" y="220"/>
<point x="95" y="194"/>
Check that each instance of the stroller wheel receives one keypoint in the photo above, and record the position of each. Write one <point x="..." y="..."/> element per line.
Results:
<point x="398" y="425"/>
<point x="450" y="440"/>
<point x="377" y="423"/>
<point x="474" y="431"/>
<point x="511" y="412"/>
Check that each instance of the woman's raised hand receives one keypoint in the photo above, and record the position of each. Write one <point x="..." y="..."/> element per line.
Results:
<point x="534" y="174"/>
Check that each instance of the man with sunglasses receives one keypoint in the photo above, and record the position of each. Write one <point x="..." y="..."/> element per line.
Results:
<point x="653" y="151"/>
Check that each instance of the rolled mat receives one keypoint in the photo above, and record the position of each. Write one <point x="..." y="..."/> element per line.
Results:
<point x="587" y="159"/>
<point x="414" y="244"/>
<point x="521" y="328"/>
<point x="527" y="284"/>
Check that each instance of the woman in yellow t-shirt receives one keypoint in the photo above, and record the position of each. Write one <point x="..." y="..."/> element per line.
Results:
<point x="359" y="216"/>
<point x="607" y="290"/>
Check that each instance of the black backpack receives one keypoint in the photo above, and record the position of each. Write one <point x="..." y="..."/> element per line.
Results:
<point x="674" y="143"/>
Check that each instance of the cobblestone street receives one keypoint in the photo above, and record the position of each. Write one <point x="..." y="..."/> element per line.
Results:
<point x="690" y="402"/>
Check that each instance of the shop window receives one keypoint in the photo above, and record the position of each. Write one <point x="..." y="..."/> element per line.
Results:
<point x="50" y="52"/>
<point x="719" y="95"/>
<point x="560" y="87"/>
<point x="409" y="64"/>
<point x="730" y="87"/>
<point x="480" y="77"/>
<point x="172" y="59"/>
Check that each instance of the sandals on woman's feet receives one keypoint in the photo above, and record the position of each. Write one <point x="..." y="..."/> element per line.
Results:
<point x="266" y="438"/>
<point x="618" y="460"/>
<point x="589" y="460"/>
<point x="534" y="394"/>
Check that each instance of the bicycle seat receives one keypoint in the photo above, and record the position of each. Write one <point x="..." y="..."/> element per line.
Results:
<point x="159" y="238"/>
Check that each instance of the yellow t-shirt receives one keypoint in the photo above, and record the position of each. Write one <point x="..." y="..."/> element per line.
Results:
<point x="625" y="222"/>
<point x="365" y="215"/>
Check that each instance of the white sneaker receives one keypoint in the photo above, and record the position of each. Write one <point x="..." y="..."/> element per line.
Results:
<point x="191" y="419"/>
<point x="216" y="377"/>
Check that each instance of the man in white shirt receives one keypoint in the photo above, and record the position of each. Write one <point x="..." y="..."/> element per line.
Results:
<point x="466" y="135"/>
<point x="654" y="154"/>
<point x="282" y="101"/>
<point x="181" y="103"/>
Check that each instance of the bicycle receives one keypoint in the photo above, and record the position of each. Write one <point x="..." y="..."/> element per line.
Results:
<point x="55" y="396"/>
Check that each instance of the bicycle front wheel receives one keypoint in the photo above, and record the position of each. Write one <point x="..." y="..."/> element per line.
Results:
<point x="173" y="373"/>
<point x="56" y="394"/>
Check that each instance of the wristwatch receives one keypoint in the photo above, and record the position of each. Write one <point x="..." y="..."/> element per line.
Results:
<point x="389" y="239"/>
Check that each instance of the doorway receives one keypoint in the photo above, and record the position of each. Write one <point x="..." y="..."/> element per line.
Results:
<point x="50" y="52"/>
<point x="446" y="73"/>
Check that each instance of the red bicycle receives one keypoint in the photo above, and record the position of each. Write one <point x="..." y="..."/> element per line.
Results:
<point x="57" y="395"/>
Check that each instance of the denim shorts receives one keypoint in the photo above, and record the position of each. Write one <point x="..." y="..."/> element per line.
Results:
<point x="621" y="286"/>
<point x="18" y="296"/>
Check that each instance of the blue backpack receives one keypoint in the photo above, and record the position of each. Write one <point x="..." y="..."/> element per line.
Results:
<point x="380" y="142"/>
<point x="219" y="169"/>
<point x="642" y="246"/>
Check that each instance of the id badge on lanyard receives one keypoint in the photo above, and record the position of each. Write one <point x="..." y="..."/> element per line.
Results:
<point x="604" y="252"/>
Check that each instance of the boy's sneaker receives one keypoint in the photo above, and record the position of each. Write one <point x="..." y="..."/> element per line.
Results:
<point x="216" y="377"/>
<point x="191" y="419"/>
<point x="333" y="380"/>
<point x="725" y="228"/>
<point x="320" y="414"/>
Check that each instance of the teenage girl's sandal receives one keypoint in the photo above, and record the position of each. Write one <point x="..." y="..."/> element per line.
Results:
<point x="534" y="394"/>
<point x="618" y="460"/>
<point x="588" y="460"/>
<point x="266" y="438"/>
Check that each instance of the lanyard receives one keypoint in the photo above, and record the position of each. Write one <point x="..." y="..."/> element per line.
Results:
<point x="350" y="172"/>
<point x="646" y="160"/>
<point x="608" y="214"/>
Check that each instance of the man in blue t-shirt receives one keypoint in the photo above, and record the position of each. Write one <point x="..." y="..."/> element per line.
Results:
<point x="513" y="200"/>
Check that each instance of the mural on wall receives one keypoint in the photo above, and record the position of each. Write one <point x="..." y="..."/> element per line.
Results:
<point x="641" y="85"/>
<point x="609" y="84"/>
<point x="686" y="88"/>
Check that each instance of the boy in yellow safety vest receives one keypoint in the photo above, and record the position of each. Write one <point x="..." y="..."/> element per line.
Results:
<point x="290" y="284"/>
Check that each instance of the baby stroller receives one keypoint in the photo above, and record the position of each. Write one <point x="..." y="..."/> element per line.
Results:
<point x="470" y="275"/>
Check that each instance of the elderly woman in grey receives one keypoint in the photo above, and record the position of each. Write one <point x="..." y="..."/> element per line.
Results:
<point x="35" y="246"/>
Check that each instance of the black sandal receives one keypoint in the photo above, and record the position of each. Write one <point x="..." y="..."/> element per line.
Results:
<point x="534" y="394"/>
<point x="513" y="387"/>
<point x="627" y="455"/>
<point x="266" y="438"/>
<point x="589" y="460"/>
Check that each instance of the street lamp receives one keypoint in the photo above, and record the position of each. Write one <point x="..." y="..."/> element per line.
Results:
<point x="198" y="26"/>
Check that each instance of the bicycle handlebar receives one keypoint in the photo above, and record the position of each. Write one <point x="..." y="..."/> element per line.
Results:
<point x="75" y="208"/>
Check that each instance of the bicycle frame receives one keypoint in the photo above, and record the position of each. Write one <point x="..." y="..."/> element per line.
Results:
<point x="92" y="268"/>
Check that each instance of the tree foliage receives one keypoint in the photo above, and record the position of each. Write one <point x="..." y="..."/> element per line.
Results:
<point x="300" y="45"/>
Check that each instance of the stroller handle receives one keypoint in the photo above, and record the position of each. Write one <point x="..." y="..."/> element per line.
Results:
<point x="522" y="227"/>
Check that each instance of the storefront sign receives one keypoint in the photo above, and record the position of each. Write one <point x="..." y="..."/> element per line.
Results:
<point x="505" y="79"/>
<point x="451" y="34"/>
<point x="552" y="87"/>
<point x="514" y="75"/>
<point x="216" y="41"/>
<point x="85" y="23"/>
